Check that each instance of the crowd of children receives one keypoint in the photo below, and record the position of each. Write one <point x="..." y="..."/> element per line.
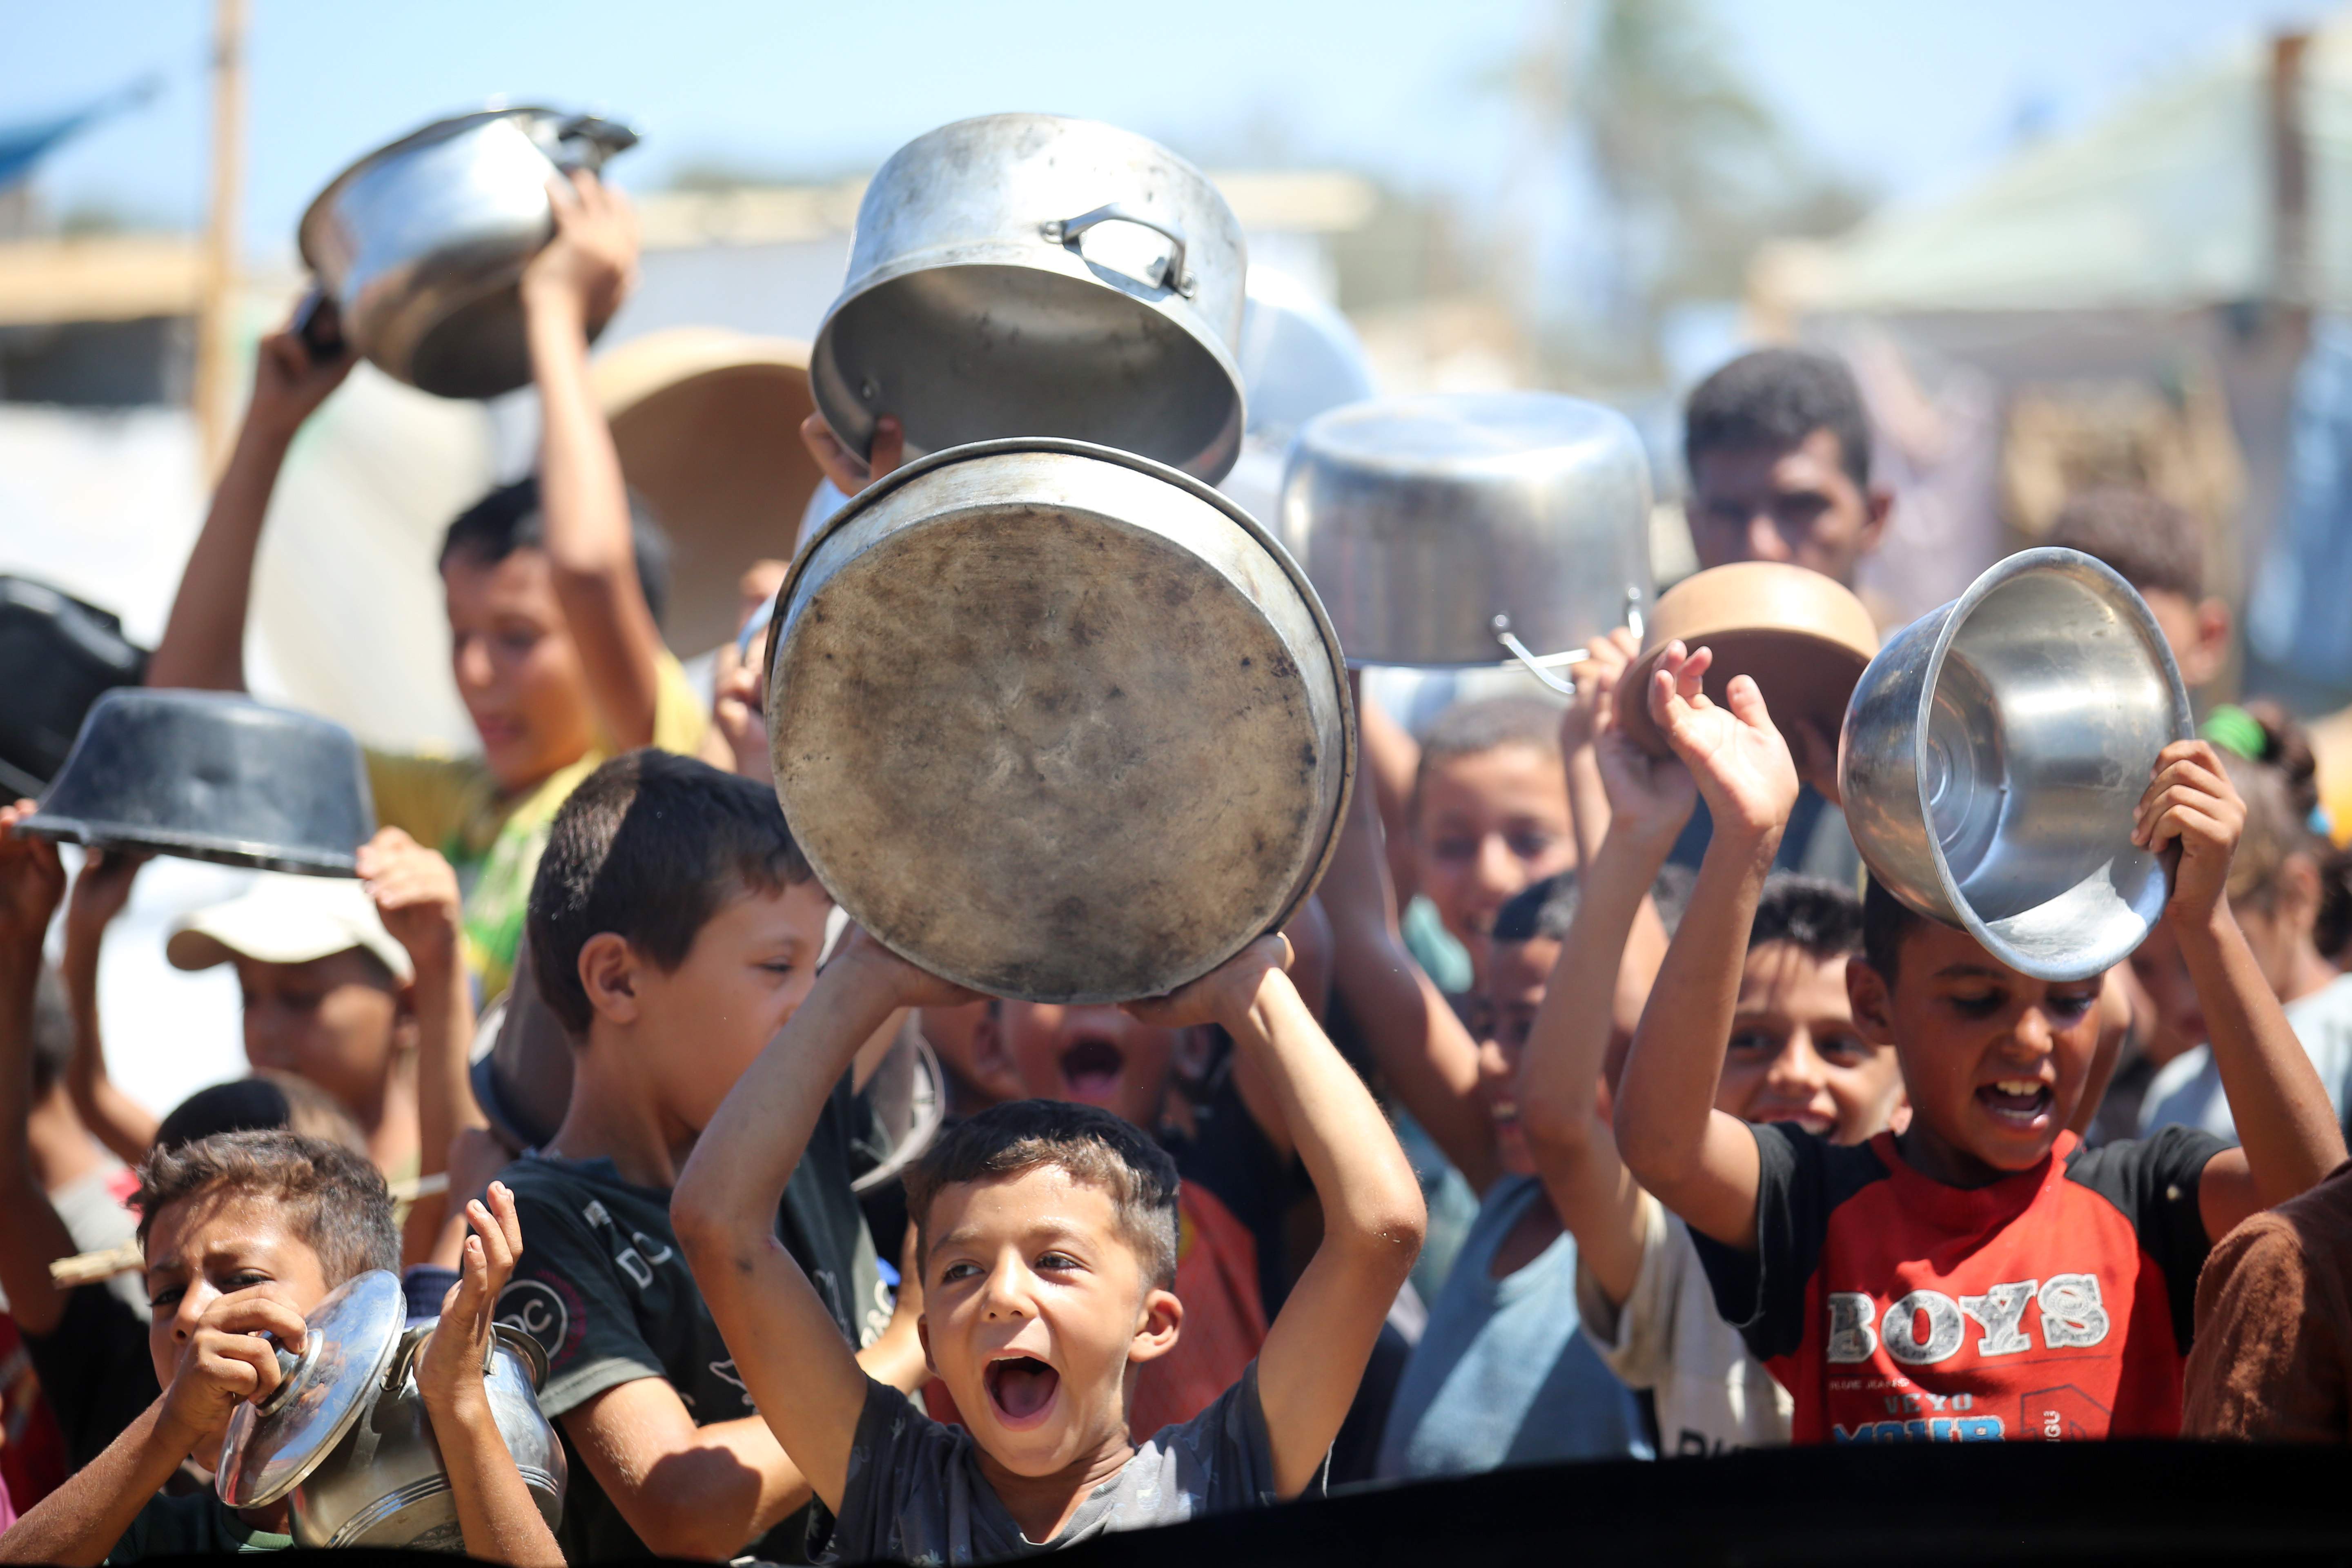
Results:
<point x="1716" y="1144"/>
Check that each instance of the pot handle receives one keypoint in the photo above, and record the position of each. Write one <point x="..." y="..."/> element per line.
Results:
<point x="319" y="323"/>
<point x="1540" y="666"/>
<point x="1068" y="231"/>
<point x="586" y="141"/>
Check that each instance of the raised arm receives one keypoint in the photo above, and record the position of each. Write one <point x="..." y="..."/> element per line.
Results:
<point x="1700" y="1163"/>
<point x="809" y="1388"/>
<point x="1315" y="1350"/>
<point x="125" y="1127"/>
<point x="2288" y="1137"/>
<point x="31" y="883"/>
<point x="581" y="278"/>
<point x="203" y="639"/>
<point x="1421" y="1049"/>
<point x="1648" y="800"/>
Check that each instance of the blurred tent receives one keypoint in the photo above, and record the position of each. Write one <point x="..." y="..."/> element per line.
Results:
<point x="2134" y="299"/>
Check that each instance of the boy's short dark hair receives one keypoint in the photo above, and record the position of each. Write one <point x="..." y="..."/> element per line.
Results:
<point x="1490" y="723"/>
<point x="331" y="1197"/>
<point x="509" y="519"/>
<point x="648" y="847"/>
<point x="1887" y="921"/>
<point x="1821" y="918"/>
<point x="265" y="1101"/>
<point x="1086" y="1142"/>
<point x="2152" y="544"/>
<point x="1777" y="397"/>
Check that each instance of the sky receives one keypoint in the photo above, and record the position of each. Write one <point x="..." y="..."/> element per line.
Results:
<point x="1906" y="99"/>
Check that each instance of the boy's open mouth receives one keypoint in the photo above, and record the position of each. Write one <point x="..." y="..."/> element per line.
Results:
<point x="1091" y="1070"/>
<point x="1021" y="1388"/>
<point x="2019" y="1102"/>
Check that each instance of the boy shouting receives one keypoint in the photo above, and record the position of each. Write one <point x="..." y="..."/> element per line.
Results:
<point x="1978" y="1275"/>
<point x="1045" y="1240"/>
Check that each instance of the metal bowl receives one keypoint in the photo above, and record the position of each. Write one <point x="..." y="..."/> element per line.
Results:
<point x="1995" y="751"/>
<point x="1029" y="274"/>
<point x="1431" y="526"/>
<point x="212" y="775"/>
<point x="1057" y="722"/>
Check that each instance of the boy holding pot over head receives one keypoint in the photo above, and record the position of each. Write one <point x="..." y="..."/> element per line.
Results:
<point x="1978" y="1275"/>
<point x="553" y="587"/>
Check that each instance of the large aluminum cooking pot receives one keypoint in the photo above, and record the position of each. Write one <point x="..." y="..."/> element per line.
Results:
<point x="1995" y="751"/>
<point x="419" y="246"/>
<point x="1031" y="275"/>
<point x="345" y="1430"/>
<point x="1057" y="721"/>
<point x="1471" y="529"/>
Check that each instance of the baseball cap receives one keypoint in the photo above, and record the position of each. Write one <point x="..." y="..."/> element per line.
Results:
<point x="282" y="919"/>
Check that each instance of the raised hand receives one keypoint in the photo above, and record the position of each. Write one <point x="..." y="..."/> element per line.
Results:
<point x="1226" y="993"/>
<point x="906" y="985"/>
<point x="592" y="262"/>
<point x="2193" y="810"/>
<point x="32" y="879"/>
<point x="288" y="384"/>
<point x="1597" y="675"/>
<point x="100" y="889"/>
<point x="849" y="472"/>
<point x="1740" y="763"/>
<point x="449" y="1367"/>
<point x="1650" y="797"/>
<point x="416" y="892"/>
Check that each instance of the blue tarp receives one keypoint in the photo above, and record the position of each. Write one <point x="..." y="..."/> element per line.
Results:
<point x="24" y="146"/>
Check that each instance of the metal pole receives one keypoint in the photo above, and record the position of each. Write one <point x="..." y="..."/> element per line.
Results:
<point x="216" y="378"/>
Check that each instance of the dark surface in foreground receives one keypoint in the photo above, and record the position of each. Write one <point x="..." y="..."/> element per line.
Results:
<point x="1975" y="1503"/>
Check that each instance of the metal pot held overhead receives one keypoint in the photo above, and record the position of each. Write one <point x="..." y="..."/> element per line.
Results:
<point x="1471" y="529"/>
<point x="1995" y="753"/>
<point x="1057" y="722"/>
<point x="1032" y="275"/>
<point x="419" y="246"/>
<point x="346" y="1434"/>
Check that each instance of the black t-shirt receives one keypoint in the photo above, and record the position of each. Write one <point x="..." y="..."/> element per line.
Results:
<point x="603" y="1289"/>
<point x="1231" y="1156"/>
<point x="95" y="1369"/>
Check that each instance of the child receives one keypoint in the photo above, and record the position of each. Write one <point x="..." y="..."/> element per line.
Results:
<point x="1975" y="1276"/>
<point x="552" y="589"/>
<point x="1501" y="1376"/>
<point x="674" y="929"/>
<point x="1045" y="1239"/>
<point x="2276" y="891"/>
<point x="2273" y="1361"/>
<point x="2158" y="549"/>
<point x="1489" y="814"/>
<point x="1794" y="1054"/>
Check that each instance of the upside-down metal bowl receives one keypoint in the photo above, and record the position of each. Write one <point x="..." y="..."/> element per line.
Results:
<point x="212" y="775"/>
<point x="1995" y="751"/>
<point x="1421" y="520"/>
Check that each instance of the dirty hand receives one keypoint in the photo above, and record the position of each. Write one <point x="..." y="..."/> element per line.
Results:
<point x="849" y="472"/>
<point x="2191" y="810"/>
<point x="32" y="879"/>
<point x="225" y="1361"/>
<point x="449" y="1366"/>
<point x="592" y="262"/>
<point x="1740" y="761"/>
<point x="1223" y="996"/>
<point x="288" y="384"/>
<point x="416" y="892"/>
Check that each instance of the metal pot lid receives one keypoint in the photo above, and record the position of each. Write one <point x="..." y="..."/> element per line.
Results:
<point x="273" y="1446"/>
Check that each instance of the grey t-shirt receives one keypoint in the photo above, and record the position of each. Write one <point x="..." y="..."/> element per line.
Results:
<point x="915" y="1493"/>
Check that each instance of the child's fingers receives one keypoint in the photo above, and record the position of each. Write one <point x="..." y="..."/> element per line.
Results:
<point x="502" y="1205"/>
<point x="247" y="1312"/>
<point x="244" y="1364"/>
<point x="2186" y="823"/>
<point x="1747" y="703"/>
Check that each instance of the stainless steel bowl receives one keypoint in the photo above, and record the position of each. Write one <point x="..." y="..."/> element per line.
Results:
<point x="1032" y="275"/>
<point x="1055" y="722"/>
<point x="1425" y="521"/>
<point x="1994" y="752"/>
<point x="419" y="245"/>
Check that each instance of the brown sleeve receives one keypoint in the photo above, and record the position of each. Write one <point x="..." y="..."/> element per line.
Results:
<point x="2269" y="1363"/>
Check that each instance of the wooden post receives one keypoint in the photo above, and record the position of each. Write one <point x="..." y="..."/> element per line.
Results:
<point x="216" y="313"/>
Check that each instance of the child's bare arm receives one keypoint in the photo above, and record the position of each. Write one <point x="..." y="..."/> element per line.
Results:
<point x="496" y="1515"/>
<point x="31" y="882"/>
<point x="78" y="1524"/>
<point x="2289" y="1138"/>
<point x="808" y="1386"/>
<point x="1315" y="1353"/>
<point x="1700" y="1163"/>
<point x="125" y="1127"/>
<point x="203" y="639"/>
<point x="580" y="278"/>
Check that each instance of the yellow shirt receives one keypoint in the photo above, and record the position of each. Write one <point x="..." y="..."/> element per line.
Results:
<point x="452" y="805"/>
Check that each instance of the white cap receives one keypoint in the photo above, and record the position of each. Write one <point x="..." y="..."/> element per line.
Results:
<point x="285" y="920"/>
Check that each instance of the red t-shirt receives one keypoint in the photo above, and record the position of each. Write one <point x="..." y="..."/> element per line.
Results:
<point x="2055" y="1304"/>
